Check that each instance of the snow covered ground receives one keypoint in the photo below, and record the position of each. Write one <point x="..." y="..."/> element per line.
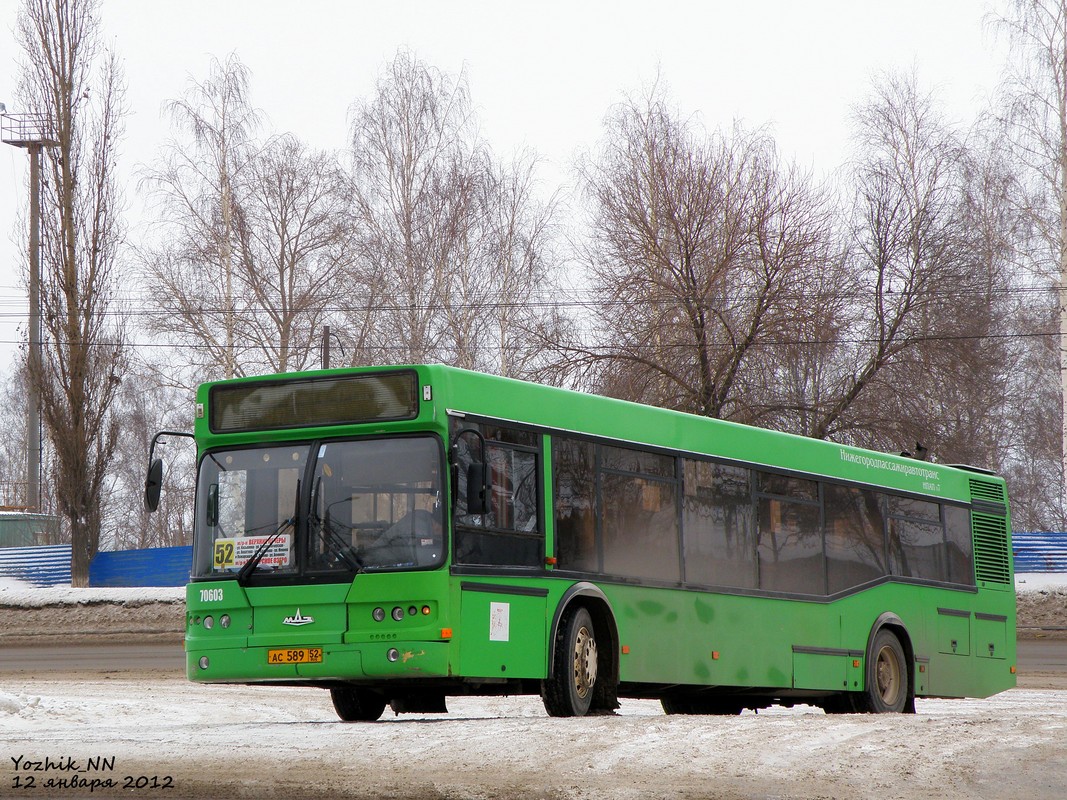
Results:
<point x="217" y="741"/>
<point x="123" y="734"/>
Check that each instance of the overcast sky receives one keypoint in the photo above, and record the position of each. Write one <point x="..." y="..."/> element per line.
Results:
<point x="542" y="74"/>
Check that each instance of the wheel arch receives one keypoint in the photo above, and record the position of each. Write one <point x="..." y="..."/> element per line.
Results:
<point x="893" y="623"/>
<point x="600" y="609"/>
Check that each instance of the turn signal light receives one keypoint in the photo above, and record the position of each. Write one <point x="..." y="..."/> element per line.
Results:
<point x="425" y="611"/>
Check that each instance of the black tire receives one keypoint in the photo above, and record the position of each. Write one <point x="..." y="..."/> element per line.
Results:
<point x="888" y="683"/>
<point x="569" y="690"/>
<point x="354" y="704"/>
<point x="676" y="705"/>
<point x="840" y="703"/>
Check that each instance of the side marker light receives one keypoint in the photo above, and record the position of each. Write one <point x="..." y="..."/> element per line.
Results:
<point x="625" y="649"/>
<point x="856" y="663"/>
<point x="446" y="633"/>
<point x="714" y="655"/>
<point x="1013" y="670"/>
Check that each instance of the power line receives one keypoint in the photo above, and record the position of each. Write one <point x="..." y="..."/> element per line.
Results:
<point x="573" y="303"/>
<point x="312" y="343"/>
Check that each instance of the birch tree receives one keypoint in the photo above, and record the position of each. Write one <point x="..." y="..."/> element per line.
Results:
<point x="192" y="269"/>
<point x="454" y="249"/>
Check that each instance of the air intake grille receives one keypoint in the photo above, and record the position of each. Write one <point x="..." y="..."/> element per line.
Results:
<point x="992" y="559"/>
<point x="988" y="491"/>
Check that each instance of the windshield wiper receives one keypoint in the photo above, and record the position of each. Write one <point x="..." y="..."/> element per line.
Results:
<point x="250" y="566"/>
<point x="333" y="541"/>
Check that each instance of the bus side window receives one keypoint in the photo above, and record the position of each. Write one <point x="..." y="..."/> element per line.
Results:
<point x="574" y="494"/>
<point x="855" y="538"/>
<point x="509" y="533"/>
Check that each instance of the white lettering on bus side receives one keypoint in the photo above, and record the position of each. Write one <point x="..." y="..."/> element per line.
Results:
<point x="881" y="463"/>
<point x="211" y="595"/>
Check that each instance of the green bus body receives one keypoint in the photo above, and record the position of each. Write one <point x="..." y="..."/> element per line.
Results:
<point x="496" y="628"/>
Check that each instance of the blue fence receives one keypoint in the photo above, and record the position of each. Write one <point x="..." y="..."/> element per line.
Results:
<point x="1039" y="552"/>
<point x="157" y="566"/>
<point x="50" y="565"/>
<point x="42" y="566"/>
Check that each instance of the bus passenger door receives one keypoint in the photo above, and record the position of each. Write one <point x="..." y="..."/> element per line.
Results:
<point x="502" y="631"/>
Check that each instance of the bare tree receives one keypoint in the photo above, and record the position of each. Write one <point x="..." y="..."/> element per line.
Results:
<point x="13" y="394"/>
<point x="252" y="235"/>
<point x="291" y="241"/>
<point x="700" y="247"/>
<point x="193" y="268"/>
<point x="906" y="252"/>
<point x="498" y="304"/>
<point x="1034" y="113"/>
<point x="68" y="77"/>
<point x="146" y="407"/>
<point x="452" y="249"/>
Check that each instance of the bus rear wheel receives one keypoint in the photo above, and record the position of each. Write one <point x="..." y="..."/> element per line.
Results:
<point x="887" y="676"/>
<point x="355" y="704"/>
<point x="569" y="690"/>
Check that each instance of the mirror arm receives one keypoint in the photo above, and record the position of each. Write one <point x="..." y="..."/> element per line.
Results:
<point x="155" y="439"/>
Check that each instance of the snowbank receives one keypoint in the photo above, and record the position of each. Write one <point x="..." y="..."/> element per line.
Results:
<point x="1040" y="581"/>
<point x="19" y="593"/>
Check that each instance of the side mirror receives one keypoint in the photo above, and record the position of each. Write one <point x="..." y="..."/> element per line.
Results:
<point x="153" y="483"/>
<point x="478" y="488"/>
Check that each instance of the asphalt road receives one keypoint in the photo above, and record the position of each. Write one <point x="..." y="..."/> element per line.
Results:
<point x="1043" y="655"/>
<point x="99" y="657"/>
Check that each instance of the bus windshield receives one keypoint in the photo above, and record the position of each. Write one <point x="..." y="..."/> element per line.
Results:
<point x="328" y="509"/>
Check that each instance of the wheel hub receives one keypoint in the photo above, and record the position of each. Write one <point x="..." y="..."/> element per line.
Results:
<point x="584" y="662"/>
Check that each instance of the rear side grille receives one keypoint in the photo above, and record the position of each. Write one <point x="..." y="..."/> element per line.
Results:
<point x="987" y="491"/>
<point x="992" y="550"/>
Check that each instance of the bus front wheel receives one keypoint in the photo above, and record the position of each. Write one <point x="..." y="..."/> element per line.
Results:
<point x="354" y="704"/>
<point x="568" y="692"/>
<point x="887" y="675"/>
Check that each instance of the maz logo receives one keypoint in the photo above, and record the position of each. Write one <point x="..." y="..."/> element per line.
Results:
<point x="298" y="619"/>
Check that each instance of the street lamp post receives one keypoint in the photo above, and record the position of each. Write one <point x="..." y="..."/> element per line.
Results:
<point x="31" y="131"/>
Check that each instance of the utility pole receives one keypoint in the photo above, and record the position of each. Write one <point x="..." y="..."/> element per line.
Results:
<point x="31" y="132"/>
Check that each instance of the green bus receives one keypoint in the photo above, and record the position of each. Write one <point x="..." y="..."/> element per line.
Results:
<point x="399" y="535"/>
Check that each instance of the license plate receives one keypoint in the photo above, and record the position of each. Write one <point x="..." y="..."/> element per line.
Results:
<point x="295" y="655"/>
